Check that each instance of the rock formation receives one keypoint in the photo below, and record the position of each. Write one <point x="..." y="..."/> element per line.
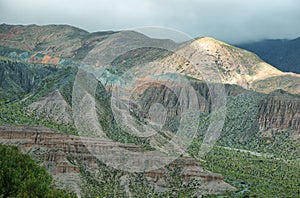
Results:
<point x="62" y="153"/>
<point x="280" y="111"/>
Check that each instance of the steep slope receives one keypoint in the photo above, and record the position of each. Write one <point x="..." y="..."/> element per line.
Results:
<point x="235" y="66"/>
<point x="283" y="54"/>
<point x="19" y="78"/>
<point x="54" y="107"/>
<point x="280" y="110"/>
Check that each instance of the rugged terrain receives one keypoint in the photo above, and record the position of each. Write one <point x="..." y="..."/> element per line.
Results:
<point x="235" y="66"/>
<point x="64" y="154"/>
<point x="38" y="67"/>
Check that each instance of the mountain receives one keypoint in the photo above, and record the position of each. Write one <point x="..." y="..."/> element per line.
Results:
<point x="261" y="125"/>
<point x="66" y="45"/>
<point x="62" y="41"/>
<point x="281" y="53"/>
<point x="59" y="41"/>
<point x="236" y="66"/>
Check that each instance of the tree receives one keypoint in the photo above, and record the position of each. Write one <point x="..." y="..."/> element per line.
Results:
<point x="20" y="176"/>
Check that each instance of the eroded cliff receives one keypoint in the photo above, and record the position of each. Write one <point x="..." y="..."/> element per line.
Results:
<point x="62" y="154"/>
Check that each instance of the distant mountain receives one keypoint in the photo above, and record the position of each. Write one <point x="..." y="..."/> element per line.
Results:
<point x="281" y="53"/>
<point x="56" y="41"/>
<point x="39" y="64"/>
<point x="67" y="45"/>
<point x="62" y="41"/>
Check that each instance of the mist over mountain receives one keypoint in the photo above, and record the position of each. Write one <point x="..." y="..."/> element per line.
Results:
<point x="284" y="54"/>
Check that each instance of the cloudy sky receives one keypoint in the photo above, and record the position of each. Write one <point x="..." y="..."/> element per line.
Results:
<point x="233" y="21"/>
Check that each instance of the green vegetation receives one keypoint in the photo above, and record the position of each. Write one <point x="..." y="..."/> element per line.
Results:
<point x="19" y="78"/>
<point x="106" y="183"/>
<point x="20" y="176"/>
<point x="138" y="57"/>
<point x="241" y="128"/>
<point x="109" y="124"/>
<point x="254" y="176"/>
<point x="15" y="113"/>
<point x="32" y="81"/>
<point x="110" y="182"/>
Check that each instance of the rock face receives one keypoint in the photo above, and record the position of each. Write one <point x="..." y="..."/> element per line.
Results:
<point x="54" y="107"/>
<point x="45" y="59"/>
<point x="62" y="153"/>
<point x="280" y="111"/>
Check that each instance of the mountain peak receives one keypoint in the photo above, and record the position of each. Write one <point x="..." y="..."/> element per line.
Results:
<point x="204" y="54"/>
<point x="209" y="40"/>
<point x="233" y="64"/>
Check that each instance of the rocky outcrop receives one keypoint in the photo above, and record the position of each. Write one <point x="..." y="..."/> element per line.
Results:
<point x="45" y="59"/>
<point x="62" y="153"/>
<point x="54" y="107"/>
<point x="280" y="110"/>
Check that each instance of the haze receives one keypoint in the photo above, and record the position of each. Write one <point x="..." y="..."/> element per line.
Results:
<point x="232" y="21"/>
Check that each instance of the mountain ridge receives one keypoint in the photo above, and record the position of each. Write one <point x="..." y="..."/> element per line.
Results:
<point x="56" y="43"/>
<point x="262" y="109"/>
<point x="282" y="53"/>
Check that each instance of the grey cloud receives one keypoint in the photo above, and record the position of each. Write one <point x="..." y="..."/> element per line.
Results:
<point x="228" y="20"/>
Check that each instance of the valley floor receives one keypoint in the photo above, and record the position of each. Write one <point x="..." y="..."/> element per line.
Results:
<point x="255" y="174"/>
